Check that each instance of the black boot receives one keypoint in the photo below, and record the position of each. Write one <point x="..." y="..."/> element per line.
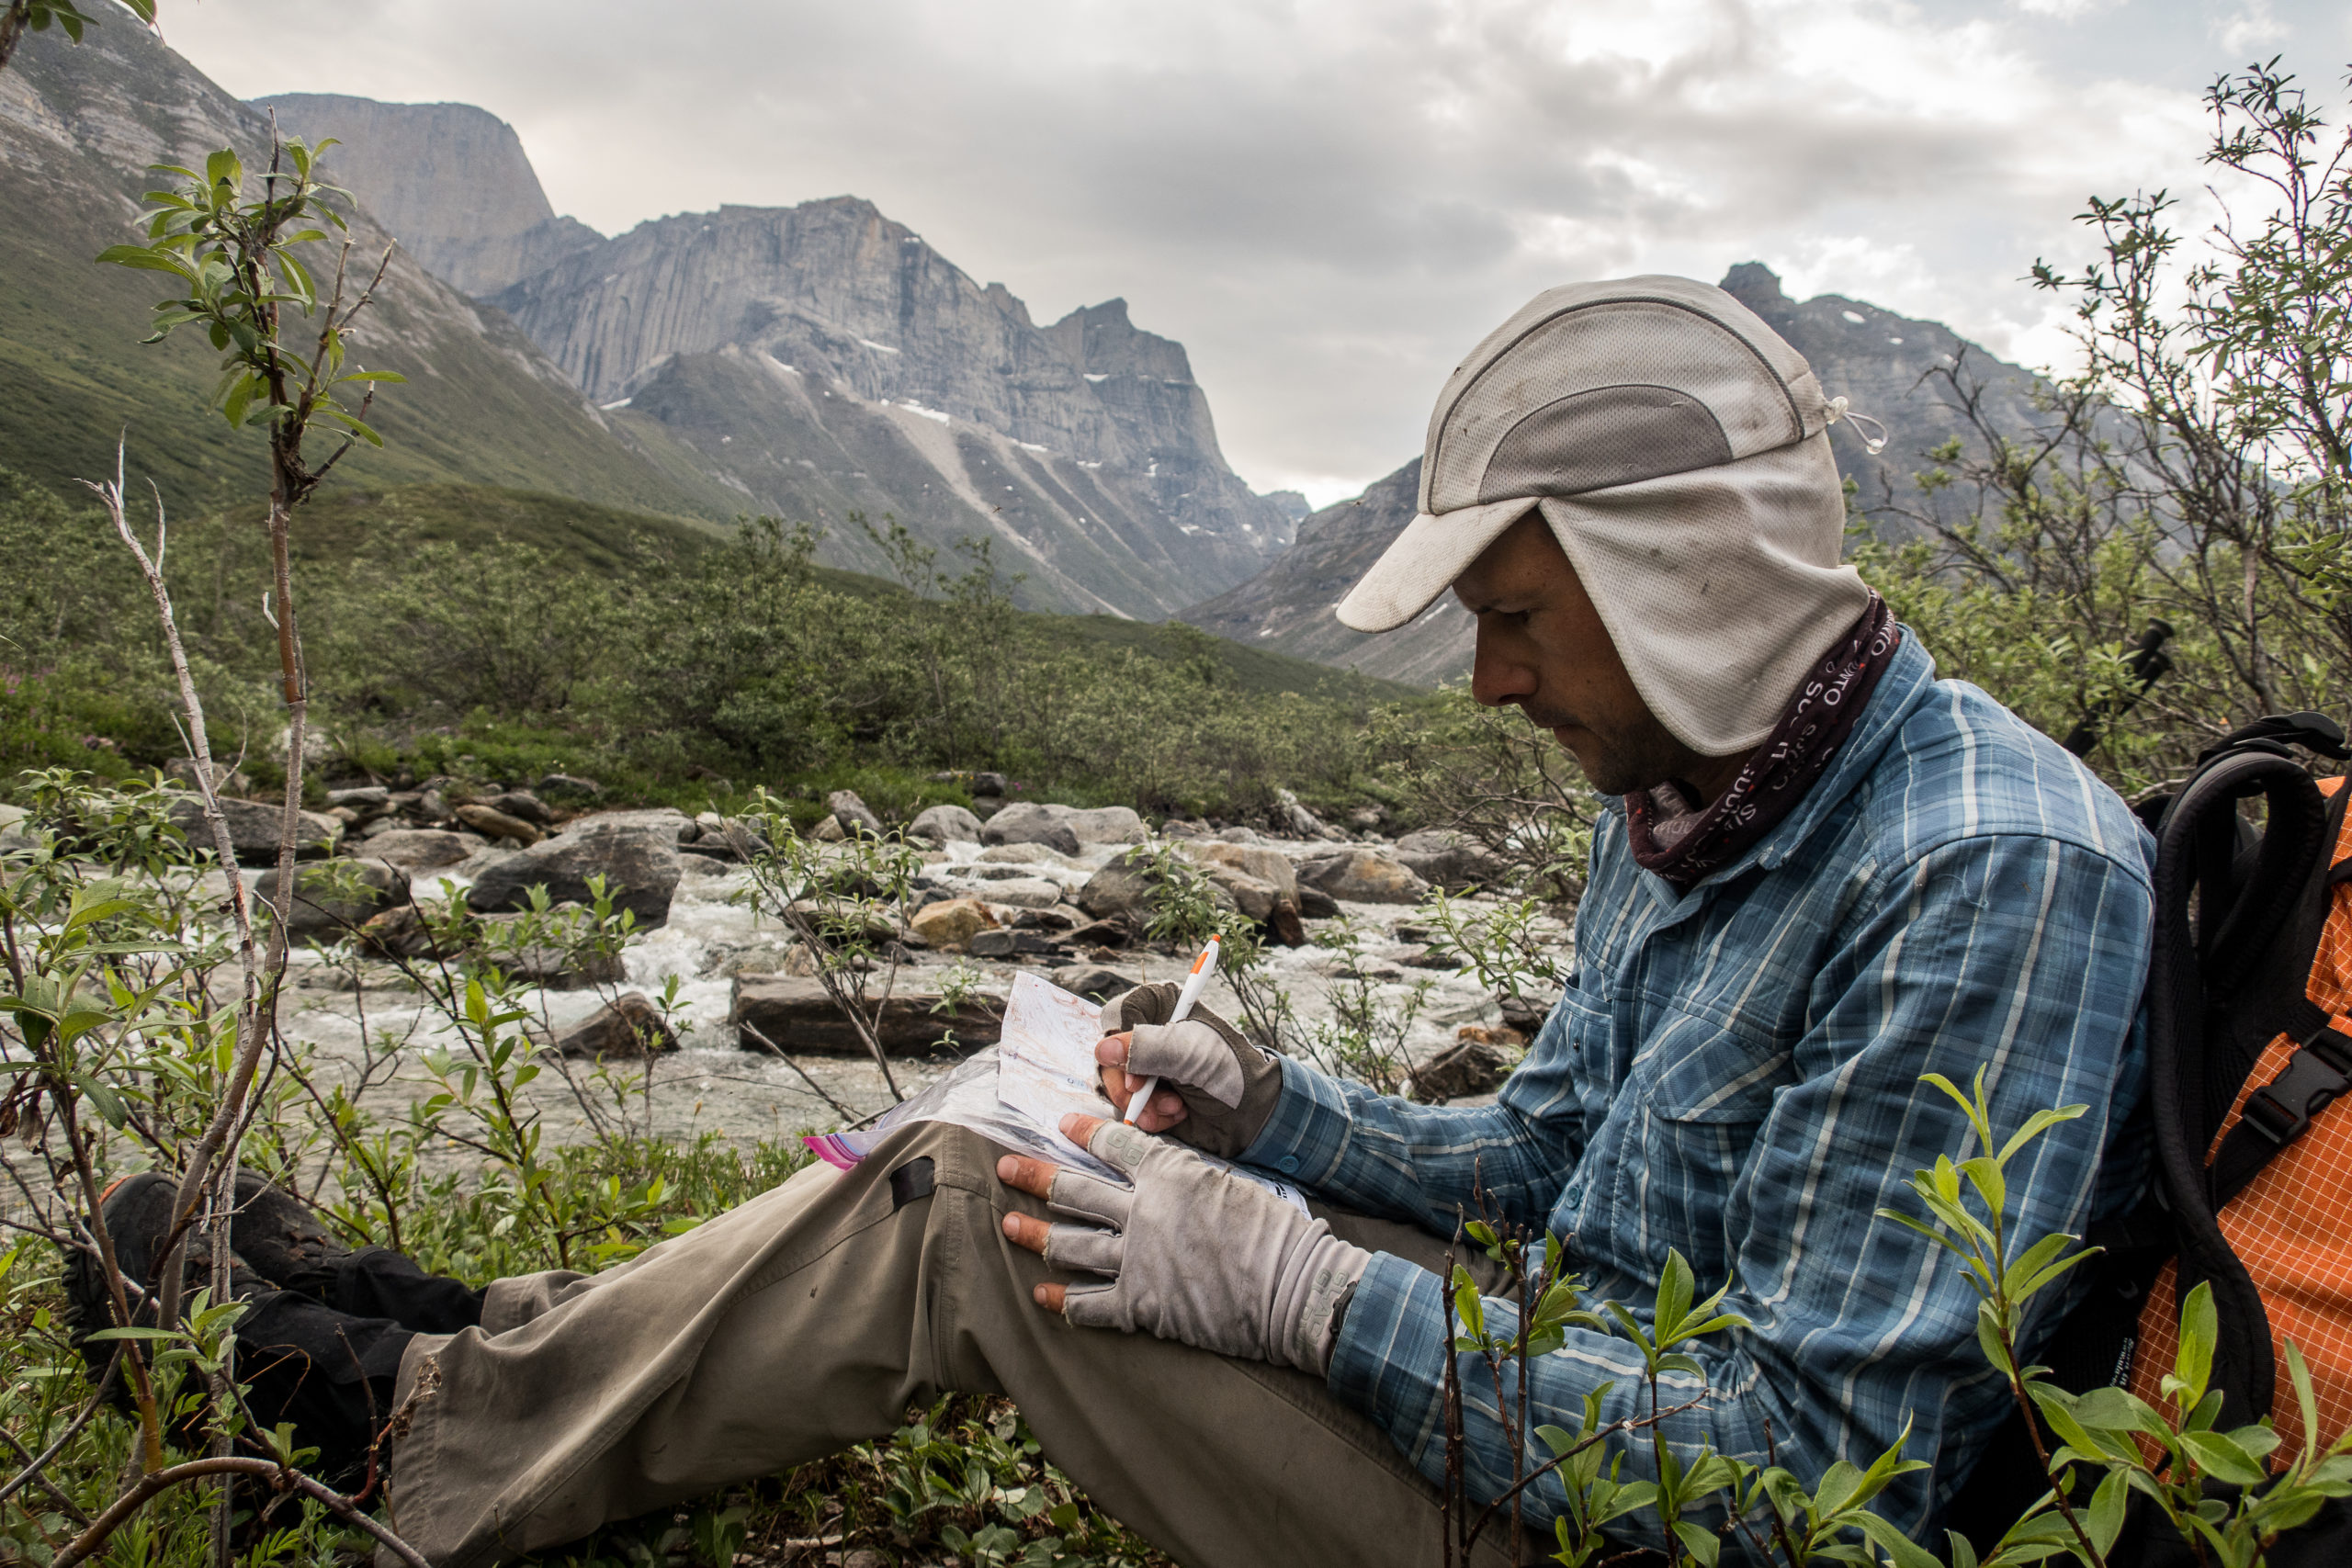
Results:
<point x="289" y="1244"/>
<point x="329" y="1372"/>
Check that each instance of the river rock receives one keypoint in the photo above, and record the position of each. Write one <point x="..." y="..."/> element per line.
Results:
<point x="569" y="787"/>
<point x="1017" y="945"/>
<point x="361" y="798"/>
<point x="990" y="783"/>
<point x="1026" y="822"/>
<point x="403" y="932"/>
<point x="253" y="829"/>
<point x="945" y="824"/>
<point x="1093" y="981"/>
<point x="852" y="813"/>
<point x="1255" y="899"/>
<point x="629" y="1025"/>
<point x="635" y="852"/>
<point x="1469" y="1067"/>
<point x="1239" y="833"/>
<point x="493" y="823"/>
<point x="420" y="848"/>
<point x="1290" y="816"/>
<point x="952" y="922"/>
<point x="828" y="831"/>
<point x="798" y="1017"/>
<point x="523" y="807"/>
<point x="1016" y="855"/>
<point x="332" y="899"/>
<point x="1447" y="858"/>
<point x="1365" y="876"/>
<point x="1266" y="866"/>
<point x="1025" y="893"/>
<point x="1122" y="890"/>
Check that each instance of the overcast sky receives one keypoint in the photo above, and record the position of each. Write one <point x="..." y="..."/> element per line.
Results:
<point x="1328" y="201"/>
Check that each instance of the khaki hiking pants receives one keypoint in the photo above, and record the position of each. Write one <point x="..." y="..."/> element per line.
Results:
<point x="811" y="1317"/>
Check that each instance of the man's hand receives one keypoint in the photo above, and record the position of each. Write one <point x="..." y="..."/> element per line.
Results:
<point x="1215" y="1088"/>
<point x="1194" y="1253"/>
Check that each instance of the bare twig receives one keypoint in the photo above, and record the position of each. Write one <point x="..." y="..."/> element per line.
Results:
<point x="154" y="1485"/>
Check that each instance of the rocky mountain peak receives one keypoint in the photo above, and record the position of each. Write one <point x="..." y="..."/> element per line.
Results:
<point x="450" y="180"/>
<point x="1754" y="285"/>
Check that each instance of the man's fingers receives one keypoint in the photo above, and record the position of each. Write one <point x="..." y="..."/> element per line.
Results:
<point x="1079" y="1130"/>
<point x="1026" y="1231"/>
<point x="1050" y="1296"/>
<point x="1111" y="1049"/>
<point x="1034" y="1177"/>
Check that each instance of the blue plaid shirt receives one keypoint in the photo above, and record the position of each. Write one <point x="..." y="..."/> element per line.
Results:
<point x="1734" y="1072"/>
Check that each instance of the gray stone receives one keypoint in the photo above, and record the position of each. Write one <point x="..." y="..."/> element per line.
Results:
<point x="360" y="797"/>
<point x="421" y="849"/>
<point x="493" y="823"/>
<point x="1239" y="834"/>
<point x="1180" y="828"/>
<point x="986" y="805"/>
<point x="990" y="783"/>
<point x="1317" y="904"/>
<point x="629" y="1025"/>
<point x="1122" y="889"/>
<point x="1093" y="981"/>
<point x="569" y="786"/>
<point x="945" y="824"/>
<point x="253" y="829"/>
<point x="1028" y="855"/>
<point x="332" y="899"/>
<point x="851" y="813"/>
<point x="522" y="805"/>
<point x="1106" y="824"/>
<point x="638" y="859"/>
<point x="1365" y="876"/>
<point x="1027" y="822"/>
<point x="797" y="1016"/>
<point x="1449" y="859"/>
<point x="1025" y="893"/>
<point x="1003" y="943"/>
<point x="1266" y="866"/>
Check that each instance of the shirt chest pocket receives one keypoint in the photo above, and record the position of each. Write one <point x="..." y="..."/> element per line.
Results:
<point x="1700" y="1093"/>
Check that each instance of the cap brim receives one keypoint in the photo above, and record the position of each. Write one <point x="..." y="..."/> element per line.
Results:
<point x="1435" y="548"/>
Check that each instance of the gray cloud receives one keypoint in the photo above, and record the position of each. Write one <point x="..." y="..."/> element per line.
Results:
<point x="1329" y="200"/>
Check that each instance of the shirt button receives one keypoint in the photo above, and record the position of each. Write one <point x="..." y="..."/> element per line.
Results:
<point x="1287" y="1164"/>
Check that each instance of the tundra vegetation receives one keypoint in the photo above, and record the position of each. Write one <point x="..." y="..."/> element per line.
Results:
<point x="2193" y="479"/>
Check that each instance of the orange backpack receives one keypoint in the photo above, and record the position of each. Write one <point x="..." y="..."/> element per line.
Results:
<point x="2249" y="1021"/>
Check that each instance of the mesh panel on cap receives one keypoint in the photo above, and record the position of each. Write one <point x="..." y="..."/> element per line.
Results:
<point x="1613" y="435"/>
<point x="1610" y="344"/>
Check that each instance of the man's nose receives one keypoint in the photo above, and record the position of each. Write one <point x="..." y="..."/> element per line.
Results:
<point x="1498" y="675"/>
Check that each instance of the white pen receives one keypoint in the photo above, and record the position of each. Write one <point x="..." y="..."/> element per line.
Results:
<point x="1194" y="984"/>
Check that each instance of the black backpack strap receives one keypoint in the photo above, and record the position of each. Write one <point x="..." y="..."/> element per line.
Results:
<point x="2242" y="902"/>
<point x="2280" y="1112"/>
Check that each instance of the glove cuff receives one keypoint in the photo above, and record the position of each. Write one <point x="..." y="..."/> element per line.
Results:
<point x="1326" y="1277"/>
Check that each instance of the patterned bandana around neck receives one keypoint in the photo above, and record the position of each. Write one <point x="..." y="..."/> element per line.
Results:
<point x="1682" y="843"/>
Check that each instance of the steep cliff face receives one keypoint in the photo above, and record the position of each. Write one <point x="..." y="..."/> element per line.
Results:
<point x="450" y="180"/>
<point x="1881" y="361"/>
<point x="78" y="127"/>
<point x="822" y="359"/>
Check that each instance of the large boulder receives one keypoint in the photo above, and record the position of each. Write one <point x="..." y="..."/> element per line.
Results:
<point x="420" y="848"/>
<point x="1223" y="860"/>
<point x="333" y="899"/>
<point x="945" y="824"/>
<point x="1025" y="893"/>
<point x="1026" y="822"/>
<point x="1126" y="889"/>
<point x="253" y="829"/>
<point x="1449" y="859"/>
<point x="797" y="1016"/>
<point x="852" y="813"/>
<point x="638" y="860"/>
<point x="1365" y="876"/>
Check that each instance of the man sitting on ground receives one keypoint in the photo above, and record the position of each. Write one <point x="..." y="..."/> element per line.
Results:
<point x="1831" y="874"/>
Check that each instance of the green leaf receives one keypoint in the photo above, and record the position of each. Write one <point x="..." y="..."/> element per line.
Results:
<point x="2199" y="1331"/>
<point x="1883" y="1534"/>
<point x="1674" y="1291"/>
<point x="2038" y="1123"/>
<point x="1699" y="1542"/>
<point x="2219" y="1456"/>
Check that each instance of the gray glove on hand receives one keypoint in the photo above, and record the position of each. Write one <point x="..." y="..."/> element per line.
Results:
<point x="1229" y="1086"/>
<point x="1200" y="1254"/>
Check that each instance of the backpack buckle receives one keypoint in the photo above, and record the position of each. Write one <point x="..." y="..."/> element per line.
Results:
<point x="2281" y="1109"/>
